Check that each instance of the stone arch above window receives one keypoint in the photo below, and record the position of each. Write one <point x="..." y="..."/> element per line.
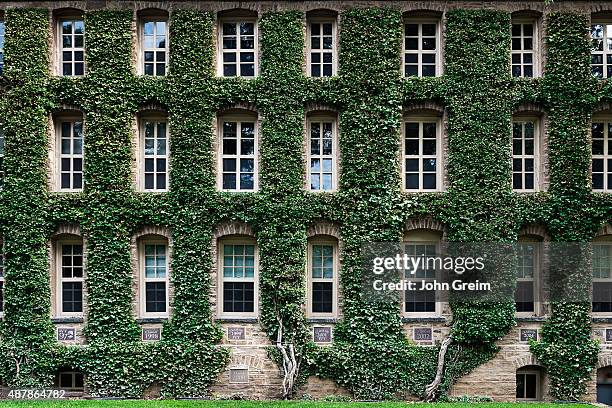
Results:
<point x="67" y="229"/>
<point x="152" y="12"/>
<point x="435" y="11"/>
<point x="237" y="12"/>
<point x="426" y="224"/>
<point x="537" y="231"/>
<point x="531" y="109"/>
<point x="151" y="253"/>
<point x="233" y="228"/>
<point x="324" y="228"/>
<point x="425" y="108"/>
<point x="152" y="107"/>
<point x="152" y="230"/>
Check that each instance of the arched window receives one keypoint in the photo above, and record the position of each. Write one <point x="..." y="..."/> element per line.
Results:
<point x="422" y="152"/>
<point x="153" y="33"/>
<point x="154" y="272"/>
<point x="238" y="165"/>
<point x="322" y="152"/>
<point x="70" y="40"/>
<point x="238" y="43"/>
<point x="527" y="153"/>
<point x="601" y="149"/>
<point x="525" y="32"/>
<point x="601" y="36"/>
<point x="528" y="273"/>
<point x="237" y="273"/>
<point x="421" y="244"/>
<point x="68" y="272"/>
<point x="529" y="383"/>
<point x="69" y="155"/>
<point x="322" y="276"/>
<point x="154" y="152"/>
<point x="602" y="274"/>
<point x="422" y="44"/>
<point x="322" y="43"/>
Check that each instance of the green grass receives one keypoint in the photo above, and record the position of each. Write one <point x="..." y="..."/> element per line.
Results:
<point x="260" y="404"/>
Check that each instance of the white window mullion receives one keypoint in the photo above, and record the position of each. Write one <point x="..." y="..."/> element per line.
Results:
<point x="238" y="165"/>
<point x="154" y="47"/>
<point x="70" y="166"/>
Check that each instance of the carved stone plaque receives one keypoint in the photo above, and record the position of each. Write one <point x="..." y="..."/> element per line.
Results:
<point x="151" y="334"/>
<point x="239" y="375"/>
<point x="609" y="335"/>
<point x="322" y="334"/>
<point x="235" y="333"/>
<point x="423" y="334"/>
<point x="66" y="334"/>
<point x="527" y="334"/>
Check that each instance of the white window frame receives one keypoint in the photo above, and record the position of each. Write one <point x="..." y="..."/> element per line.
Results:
<point x="221" y="279"/>
<point x="59" y="155"/>
<point x="220" y="50"/>
<point x="142" y="155"/>
<point x="538" y="383"/>
<point x="318" y="240"/>
<point x="239" y="119"/>
<point x="537" y="171"/>
<point x="60" y="279"/>
<point x="2" y="154"/>
<point x="535" y="51"/>
<point x="607" y="34"/>
<point x="142" y="49"/>
<point x="438" y="51"/>
<point x="607" y="139"/>
<point x="537" y="270"/>
<point x="310" y="50"/>
<point x="2" y="276"/>
<point x="422" y="237"/>
<point x="143" y="278"/>
<point x="334" y="156"/>
<point x="438" y="156"/>
<point x="604" y="240"/>
<point x="73" y="49"/>
<point x="2" y="38"/>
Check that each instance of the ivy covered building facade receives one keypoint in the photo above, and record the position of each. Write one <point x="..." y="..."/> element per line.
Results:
<point x="187" y="186"/>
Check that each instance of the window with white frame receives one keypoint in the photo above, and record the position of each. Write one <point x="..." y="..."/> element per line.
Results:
<point x="525" y="145"/>
<point x="2" y="33"/>
<point x="238" y="167"/>
<point x="70" y="277"/>
<point x="237" y="277"/>
<point x="238" y="40"/>
<point x="421" y="244"/>
<point x="2" y="279"/>
<point x="322" y="150"/>
<point x="601" y="49"/>
<point x="155" y="154"/>
<point x="154" y="46"/>
<point x="601" y="265"/>
<point x="322" y="54"/>
<point x="528" y="384"/>
<point x="70" y="380"/>
<point x="421" y="48"/>
<point x="526" y="275"/>
<point x="72" y="46"/>
<point x="421" y="150"/>
<point x="523" y="48"/>
<point x="70" y="142"/>
<point x="601" y="152"/>
<point x="154" y="277"/>
<point x="322" y="276"/>
<point x="1" y="159"/>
